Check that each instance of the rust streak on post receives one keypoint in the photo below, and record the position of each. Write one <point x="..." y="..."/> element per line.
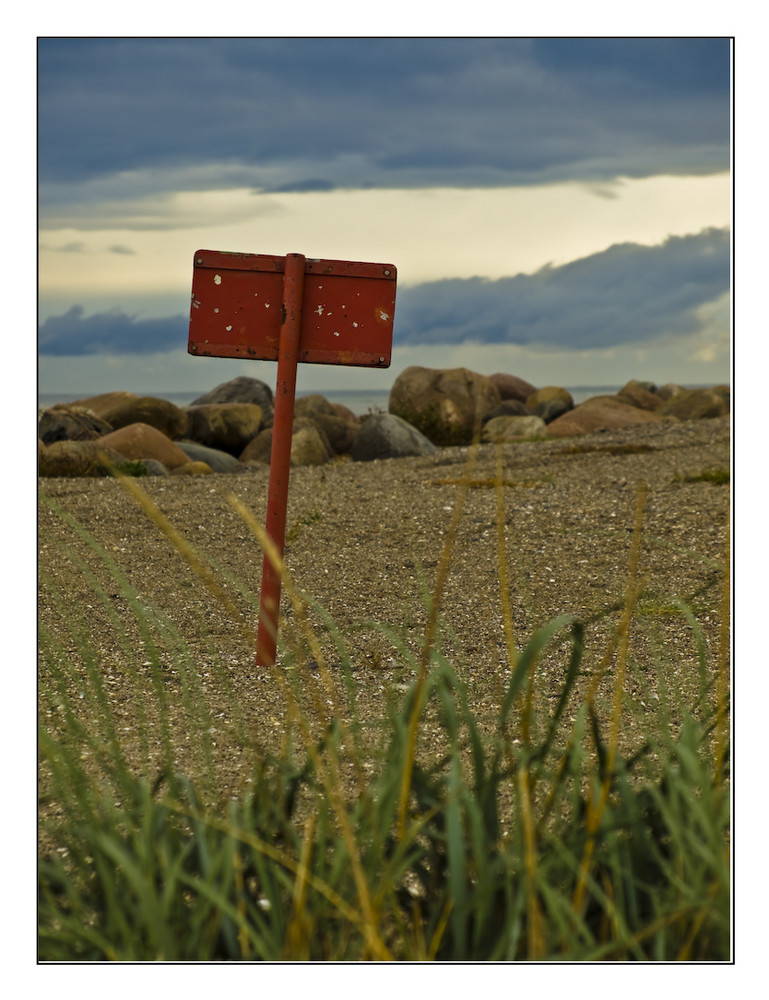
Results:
<point x="280" y="455"/>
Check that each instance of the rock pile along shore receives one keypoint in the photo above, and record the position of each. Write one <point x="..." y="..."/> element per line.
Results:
<point x="229" y="429"/>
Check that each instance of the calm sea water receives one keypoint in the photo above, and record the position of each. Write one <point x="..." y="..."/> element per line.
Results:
<point x="359" y="402"/>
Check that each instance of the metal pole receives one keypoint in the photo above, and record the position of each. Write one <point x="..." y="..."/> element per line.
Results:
<point x="280" y="455"/>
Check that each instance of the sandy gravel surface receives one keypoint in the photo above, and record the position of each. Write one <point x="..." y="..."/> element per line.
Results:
<point x="365" y="541"/>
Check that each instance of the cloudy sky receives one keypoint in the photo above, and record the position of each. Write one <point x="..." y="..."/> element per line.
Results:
<point x="556" y="208"/>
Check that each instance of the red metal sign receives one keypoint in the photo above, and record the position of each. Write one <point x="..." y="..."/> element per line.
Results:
<point x="288" y="309"/>
<point x="347" y="309"/>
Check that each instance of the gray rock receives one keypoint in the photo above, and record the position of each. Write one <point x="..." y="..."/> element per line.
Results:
<point x="153" y="467"/>
<point x="550" y="402"/>
<point x="70" y="423"/>
<point x="225" y="426"/>
<point x="383" y="435"/>
<point x="220" y="461"/>
<point x="513" y="428"/>
<point x="242" y="389"/>
<point x="508" y="408"/>
<point x="550" y="409"/>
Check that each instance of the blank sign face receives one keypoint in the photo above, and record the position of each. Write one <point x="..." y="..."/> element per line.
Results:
<point x="237" y="309"/>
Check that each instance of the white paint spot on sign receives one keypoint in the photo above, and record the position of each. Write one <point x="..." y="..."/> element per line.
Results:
<point x="228" y="328"/>
<point x="383" y="315"/>
<point x="336" y="334"/>
<point x="217" y="279"/>
<point x="319" y="310"/>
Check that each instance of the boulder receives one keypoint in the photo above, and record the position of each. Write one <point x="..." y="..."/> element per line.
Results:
<point x="508" y="408"/>
<point x="600" y="413"/>
<point x="67" y="422"/>
<point x="446" y="405"/>
<point x="225" y="426"/>
<point x="695" y="404"/>
<point x="105" y="402"/>
<point x="669" y="389"/>
<point x="312" y="405"/>
<point x="341" y="434"/>
<point x="345" y="413"/>
<point x="192" y="469"/>
<point x="242" y="389"/>
<point x="514" y="428"/>
<point x="641" y="395"/>
<point x="76" y="458"/>
<point x="550" y="402"/>
<point x="142" y="441"/>
<point x="550" y="409"/>
<point x="385" y="435"/>
<point x="219" y="461"/>
<point x="512" y="387"/>
<point x="158" y="413"/>
<point x="153" y="467"/>
<point x="258" y="448"/>
<point x="309" y="445"/>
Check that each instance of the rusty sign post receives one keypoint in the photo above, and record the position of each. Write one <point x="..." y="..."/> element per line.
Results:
<point x="288" y="309"/>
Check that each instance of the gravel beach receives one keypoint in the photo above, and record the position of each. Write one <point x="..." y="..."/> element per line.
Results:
<point x="365" y="540"/>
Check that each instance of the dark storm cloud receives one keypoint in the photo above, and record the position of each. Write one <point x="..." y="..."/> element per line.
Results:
<point x="75" y="334"/>
<point x="626" y="294"/>
<point x="311" y="114"/>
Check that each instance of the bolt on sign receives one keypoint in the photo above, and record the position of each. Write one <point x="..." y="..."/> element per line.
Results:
<point x="288" y="309"/>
